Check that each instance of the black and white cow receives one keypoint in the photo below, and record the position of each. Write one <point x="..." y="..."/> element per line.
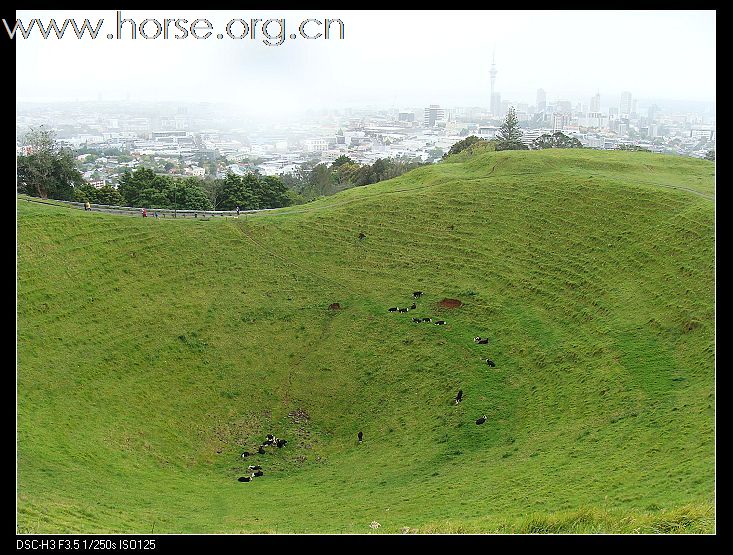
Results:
<point x="459" y="397"/>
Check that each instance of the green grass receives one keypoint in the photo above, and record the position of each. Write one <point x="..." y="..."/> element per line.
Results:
<point x="151" y="352"/>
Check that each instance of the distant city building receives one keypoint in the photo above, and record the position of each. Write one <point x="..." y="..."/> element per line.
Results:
<point x="595" y="103"/>
<point x="97" y="183"/>
<point x="560" y="121"/>
<point x="315" y="145"/>
<point x="433" y="114"/>
<point x="407" y="116"/>
<point x="487" y="131"/>
<point x="595" y="119"/>
<point x="530" y="135"/>
<point x="541" y="100"/>
<point x="625" y="106"/>
<point x="563" y="106"/>
<point x="702" y="132"/>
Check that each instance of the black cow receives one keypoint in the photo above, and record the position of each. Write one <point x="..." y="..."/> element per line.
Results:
<point x="393" y="309"/>
<point x="244" y="479"/>
<point x="413" y="307"/>
<point x="417" y="320"/>
<point x="254" y="467"/>
<point x="483" y="341"/>
<point x="403" y="310"/>
<point x="459" y="397"/>
<point x="490" y="362"/>
<point x="417" y="294"/>
<point x="360" y="435"/>
<point x="261" y="450"/>
<point x="440" y="322"/>
<point x="427" y="319"/>
<point x="246" y="454"/>
<point x="481" y="420"/>
<point x="258" y="473"/>
<point x="281" y="442"/>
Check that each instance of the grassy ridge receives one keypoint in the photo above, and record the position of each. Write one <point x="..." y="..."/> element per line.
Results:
<point x="151" y="352"/>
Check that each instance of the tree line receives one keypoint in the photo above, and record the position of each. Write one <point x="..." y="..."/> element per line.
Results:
<point x="311" y="180"/>
<point x="49" y="171"/>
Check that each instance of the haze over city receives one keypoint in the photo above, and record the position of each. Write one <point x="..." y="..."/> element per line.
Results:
<point x="386" y="59"/>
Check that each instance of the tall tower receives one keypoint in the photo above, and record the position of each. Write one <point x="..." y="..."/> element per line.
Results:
<point x="495" y="107"/>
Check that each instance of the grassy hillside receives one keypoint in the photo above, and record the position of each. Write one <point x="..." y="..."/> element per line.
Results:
<point x="152" y="352"/>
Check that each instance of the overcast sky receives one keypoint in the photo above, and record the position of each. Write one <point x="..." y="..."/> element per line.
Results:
<point x="396" y="58"/>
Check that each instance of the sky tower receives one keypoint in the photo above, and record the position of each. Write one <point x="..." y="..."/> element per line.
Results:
<point x="495" y="98"/>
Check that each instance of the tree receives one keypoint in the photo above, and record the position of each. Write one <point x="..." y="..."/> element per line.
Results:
<point x="462" y="145"/>
<point x="132" y="184"/>
<point x="186" y="194"/>
<point x="234" y="193"/>
<point x="320" y="181"/>
<point x="556" y="140"/>
<point x="49" y="171"/>
<point x="340" y="161"/>
<point x="212" y="188"/>
<point x="509" y="134"/>
<point x="108" y="195"/>
<point x="275" y="193"/>
<point x="434" y="153"/>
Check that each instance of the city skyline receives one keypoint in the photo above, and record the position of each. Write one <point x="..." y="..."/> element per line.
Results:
<point x="374" y="64"/>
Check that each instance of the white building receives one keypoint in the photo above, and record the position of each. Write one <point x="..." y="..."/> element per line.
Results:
<point x="315" y="145"/>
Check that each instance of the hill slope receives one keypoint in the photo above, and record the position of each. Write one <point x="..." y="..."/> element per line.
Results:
<point x="151" y="353"/>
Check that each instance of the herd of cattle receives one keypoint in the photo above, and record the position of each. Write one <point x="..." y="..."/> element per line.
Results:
<point x="255" y="471"/>
<point x="478" y="339"/>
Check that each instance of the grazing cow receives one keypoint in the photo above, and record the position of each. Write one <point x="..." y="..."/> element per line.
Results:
<point x="360" y="435"/>
<point x="281" y="442"/>
<point x="459" y="397"/>
<point x="258" y="473"/>
<point x="477" y="338"/>
<point x="427" y="319"/>
<point x="481" y="420"/>
<point x="417" y="320"/>
<point x="417" y="294"/>
<point x="483" y="341"/>
<point x="362" y="236"/>
<point x="490" y="362"/>
<point x="254" y="467"/>
<point x="393" y="309"/>
<point x="440" y="323"/>
<point x="261" y="450"/>
<point x="244" y="479"/>
<point x="403" y="310"/>
<point x="413" y="307"/>
<point x="246" y="454"/>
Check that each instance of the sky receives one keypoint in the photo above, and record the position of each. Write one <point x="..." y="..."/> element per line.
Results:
<point x="387" y="58"/>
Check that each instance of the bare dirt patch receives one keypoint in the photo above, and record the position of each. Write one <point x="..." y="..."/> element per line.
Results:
<point x="450" y="303"/>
